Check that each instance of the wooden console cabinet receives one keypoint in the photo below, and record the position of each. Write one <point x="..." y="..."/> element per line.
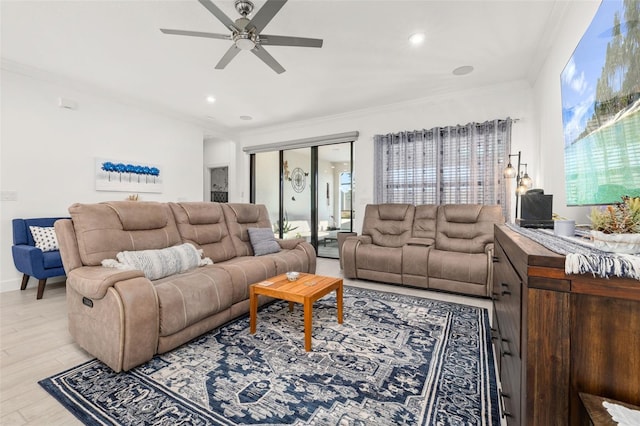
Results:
<point x="558" y="335"/>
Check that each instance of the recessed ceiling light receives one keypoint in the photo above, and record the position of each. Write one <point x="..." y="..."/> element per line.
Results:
<point x="463" y="70"/>
<point x="211" y="99"/>
<point x="417" y="39"/>
<point x="246" y="117"/>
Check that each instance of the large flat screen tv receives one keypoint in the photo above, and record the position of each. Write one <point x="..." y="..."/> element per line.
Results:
<point x="601" y="108"/>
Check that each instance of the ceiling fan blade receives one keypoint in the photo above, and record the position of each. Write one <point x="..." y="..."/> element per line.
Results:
<point x="226" y="21"/>
<point x="276" y="40"/>
<point x="267" y="59"/>
<point x="265" y="15"/>
<point x="196" y="34"/>
<point x="231" y="53"/>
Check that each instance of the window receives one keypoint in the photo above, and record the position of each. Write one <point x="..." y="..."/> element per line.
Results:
<point x="450" y="165"/>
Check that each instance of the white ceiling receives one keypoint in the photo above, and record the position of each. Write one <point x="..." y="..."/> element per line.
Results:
<point x="116" y="48"/>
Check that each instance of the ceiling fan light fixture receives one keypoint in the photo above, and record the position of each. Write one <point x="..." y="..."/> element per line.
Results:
<point x="244" y="41"/>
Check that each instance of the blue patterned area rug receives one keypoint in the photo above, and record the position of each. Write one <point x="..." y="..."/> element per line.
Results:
<point x="396" y="360"/>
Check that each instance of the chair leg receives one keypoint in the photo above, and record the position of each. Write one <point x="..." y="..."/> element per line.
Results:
<point x="41" y="284"/>
<point x="25" y="280"/>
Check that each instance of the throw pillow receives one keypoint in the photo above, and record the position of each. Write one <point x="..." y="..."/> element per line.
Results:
<point x="156" y="264"/>
<point x="44" y="237"/>
<point x="263" y="241"/>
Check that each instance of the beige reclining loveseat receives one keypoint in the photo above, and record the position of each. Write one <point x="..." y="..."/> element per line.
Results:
<point x="446" y="247"/>
<point x="122" y="317"/>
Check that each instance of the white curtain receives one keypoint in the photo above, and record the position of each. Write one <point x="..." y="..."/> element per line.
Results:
<point x="445" y="165"/>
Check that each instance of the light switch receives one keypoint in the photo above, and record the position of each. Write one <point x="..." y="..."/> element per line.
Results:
<point x="9" y="196"/>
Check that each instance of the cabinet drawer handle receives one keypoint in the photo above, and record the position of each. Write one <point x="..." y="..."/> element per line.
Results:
<point x="495" y="259"/>
<point x="502" y="351"/>
<point x="494" y="334"/>
<point x="506" y="286"/>
<point x="505" y="413"/>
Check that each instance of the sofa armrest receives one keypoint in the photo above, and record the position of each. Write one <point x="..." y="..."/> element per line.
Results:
<point x="28" y="259"/>
<point x="290" y="244"/>
<point x="420" y="241"/>
<point x="362" y="239"/>
<point x="348" y="254"/>
<point x="94" y="281"/>
<point x="68" y="243"/>
<point x="489" y="249"/>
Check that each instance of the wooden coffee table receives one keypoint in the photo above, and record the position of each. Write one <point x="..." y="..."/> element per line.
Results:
<point x="306" y="290"/>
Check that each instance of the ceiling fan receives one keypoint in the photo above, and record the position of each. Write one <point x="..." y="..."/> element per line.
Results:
<point x="245" y="33"/>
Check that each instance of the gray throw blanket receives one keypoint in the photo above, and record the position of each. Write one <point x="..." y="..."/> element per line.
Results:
<point x="582" y="257"/>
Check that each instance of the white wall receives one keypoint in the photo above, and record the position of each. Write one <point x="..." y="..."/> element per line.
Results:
<point x="47" y="153"/>
<point x="506" y="100"/>
<point x="548" y="107"/>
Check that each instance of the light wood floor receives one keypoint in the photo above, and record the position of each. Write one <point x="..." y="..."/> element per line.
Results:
<point x="35" y="344"/>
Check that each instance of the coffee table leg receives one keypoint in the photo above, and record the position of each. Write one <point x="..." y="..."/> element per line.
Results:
<point x="253" y="310"/>
<point x="339" y="302"/>
<point x="308" y="317"/>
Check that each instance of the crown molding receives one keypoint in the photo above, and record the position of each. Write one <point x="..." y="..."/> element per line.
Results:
<point x="209" y="127"/>
<point x="385" y="108"/>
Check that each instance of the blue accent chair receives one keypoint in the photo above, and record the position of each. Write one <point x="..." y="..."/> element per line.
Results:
<point x="29" y="259"/>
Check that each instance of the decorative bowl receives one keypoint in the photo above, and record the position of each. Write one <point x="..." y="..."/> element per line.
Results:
<point x="616" y="243"/>
<point x="292" y="276"/>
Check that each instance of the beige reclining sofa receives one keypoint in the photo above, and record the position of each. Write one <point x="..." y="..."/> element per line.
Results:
<point x="445" y="247"/>
<point x="124" y="318"/>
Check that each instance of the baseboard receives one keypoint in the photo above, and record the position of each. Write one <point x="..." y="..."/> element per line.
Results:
<point x="14" y="284"/>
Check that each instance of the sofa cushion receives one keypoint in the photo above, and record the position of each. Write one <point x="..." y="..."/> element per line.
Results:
<point x="103" y="230"/>
<point x="139" y="216"/>
<point x="187" y="298"/>
<point x="462" y="267"/>
<point x="393" y="211"/>
<point x="247" y="270"/>
<point x="462" y="213"/>
<point x="203" y="225"/>
<point x="382" y="259"/>
<point x="424" y="222"/>
<point x="52" y="259"/>
<point x="263" y="241"/>
<point x="389" y="225"/>
<point x="44" y="238"/>
<point x="466" y="228"/>
<point x="156" y="264"/>
<point x="240" y="217"/>
<point x="201" y="213"/>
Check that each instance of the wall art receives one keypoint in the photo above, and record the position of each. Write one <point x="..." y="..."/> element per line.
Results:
<point x="126" y="176"/>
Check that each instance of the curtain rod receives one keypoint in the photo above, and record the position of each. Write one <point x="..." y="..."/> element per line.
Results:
<point x="304" y="143"/>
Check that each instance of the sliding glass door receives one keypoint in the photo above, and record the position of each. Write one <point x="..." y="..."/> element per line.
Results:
<point x="265" y="189"/>
<point x="308" y="192"/>
<point x="334" y="196"/>
<point x="296" y="193"/>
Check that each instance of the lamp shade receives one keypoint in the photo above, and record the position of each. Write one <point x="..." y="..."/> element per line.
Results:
<point x="521" y="189"/>
<point x="509" y="172"/>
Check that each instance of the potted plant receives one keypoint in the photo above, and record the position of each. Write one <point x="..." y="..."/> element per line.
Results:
<point x="616" y="228"/>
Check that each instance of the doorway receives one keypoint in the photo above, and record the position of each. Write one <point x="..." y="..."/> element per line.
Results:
<point x="219" y="184"/>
